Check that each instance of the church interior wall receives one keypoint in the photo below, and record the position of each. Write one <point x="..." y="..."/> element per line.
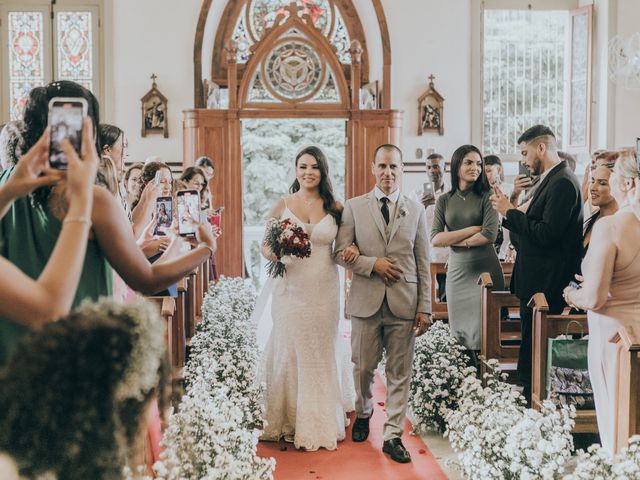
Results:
<point x="427" y="37"/>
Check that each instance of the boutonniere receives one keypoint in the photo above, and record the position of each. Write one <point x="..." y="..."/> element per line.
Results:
<point x="402" y="212"/>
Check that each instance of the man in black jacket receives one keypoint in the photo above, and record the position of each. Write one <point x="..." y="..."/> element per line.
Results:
<point x="549" y="232"/>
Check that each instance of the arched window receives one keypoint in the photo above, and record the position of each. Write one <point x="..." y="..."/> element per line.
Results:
<point x="257" y="16"/>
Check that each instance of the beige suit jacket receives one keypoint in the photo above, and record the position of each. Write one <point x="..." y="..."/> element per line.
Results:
<point x="363" y="225"/>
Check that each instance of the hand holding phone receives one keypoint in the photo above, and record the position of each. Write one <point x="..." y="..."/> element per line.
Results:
<point x="66" y="116"/>
<point x="188" y="212"/>
<point x="163" y="215"/>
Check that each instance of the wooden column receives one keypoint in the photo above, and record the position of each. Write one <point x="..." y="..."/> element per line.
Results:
<point x="356" y="66"/>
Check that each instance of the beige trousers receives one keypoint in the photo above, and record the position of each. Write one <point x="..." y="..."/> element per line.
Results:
<point x="368" y="337"/>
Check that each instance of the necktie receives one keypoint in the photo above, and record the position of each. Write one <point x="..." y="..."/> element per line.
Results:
<point x="385" y="209"/>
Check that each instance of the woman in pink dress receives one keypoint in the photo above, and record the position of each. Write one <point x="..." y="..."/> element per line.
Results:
<point x="611" y="290"/>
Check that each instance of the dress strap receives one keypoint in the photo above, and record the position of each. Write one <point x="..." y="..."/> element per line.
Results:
<point x="285" y="202"/>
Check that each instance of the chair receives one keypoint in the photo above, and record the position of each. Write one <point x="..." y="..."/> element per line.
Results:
<point x="627" y="416"/>
<point x="499" y="334"/>
<point x="547" y="326"/>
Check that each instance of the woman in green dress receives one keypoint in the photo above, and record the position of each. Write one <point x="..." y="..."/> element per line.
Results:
<point x="465" y="221"/>
<point x="30" y="229"/>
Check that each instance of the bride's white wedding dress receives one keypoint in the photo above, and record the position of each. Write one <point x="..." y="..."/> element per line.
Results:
<point x="309" y="385"/>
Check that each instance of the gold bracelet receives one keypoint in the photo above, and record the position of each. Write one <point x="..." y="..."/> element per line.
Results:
<point x="84" y="220"/>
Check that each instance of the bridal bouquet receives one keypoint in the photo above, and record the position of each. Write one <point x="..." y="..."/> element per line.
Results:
<point x="286" y="238"/>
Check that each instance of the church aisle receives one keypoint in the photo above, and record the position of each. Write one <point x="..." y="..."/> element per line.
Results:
<point x="355" y="461"/>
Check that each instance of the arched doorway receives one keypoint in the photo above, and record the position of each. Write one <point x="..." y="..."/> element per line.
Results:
<point x="301" y="60"/>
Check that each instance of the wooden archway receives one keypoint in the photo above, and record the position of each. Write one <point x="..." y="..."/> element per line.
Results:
<point x="216" y="133"/>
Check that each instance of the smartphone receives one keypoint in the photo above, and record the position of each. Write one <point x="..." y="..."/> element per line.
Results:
<point x="164" y="215"/>
<point x="65" y="119"/>
<point x="574" y="284"/>
<point x="523" y="170"/>
<point x="216" y="220"/>
<point x="427" y="188"/>
<point x="188" y="212"/>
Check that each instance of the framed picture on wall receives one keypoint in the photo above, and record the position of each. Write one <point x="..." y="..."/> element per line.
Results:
<point x="431" y="110"/>
<point x="154" y="111"/>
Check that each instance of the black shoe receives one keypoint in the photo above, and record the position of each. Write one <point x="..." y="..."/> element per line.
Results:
<point x="397" y="451"/>
<point x="360" y="430"/>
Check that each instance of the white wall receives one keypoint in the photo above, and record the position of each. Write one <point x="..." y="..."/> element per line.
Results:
<point x="627" y="102"/>
<point x="427" y="36"/>
<point x="151" y="36"/>
<point x="431" y="37"/>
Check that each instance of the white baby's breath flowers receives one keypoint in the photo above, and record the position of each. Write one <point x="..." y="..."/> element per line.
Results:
<point x="497" y="437"/>
<point x="597" y="463"/>
<point x="439" y="366"/>
<point x="214" y="434"/>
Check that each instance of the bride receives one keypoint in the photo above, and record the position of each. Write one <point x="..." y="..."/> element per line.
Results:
<point x="309" y="386"/>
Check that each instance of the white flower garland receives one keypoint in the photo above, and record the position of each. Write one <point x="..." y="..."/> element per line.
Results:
<point x="498" y="438"/>
<point x="439" y="367"/>
<point x="597" y="463"/>
<point x="214" y="434"/>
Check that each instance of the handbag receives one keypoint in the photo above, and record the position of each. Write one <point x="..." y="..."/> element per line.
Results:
<point x="567" y="372"/>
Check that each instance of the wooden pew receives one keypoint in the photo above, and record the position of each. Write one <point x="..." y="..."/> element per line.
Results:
<point x="627" y="416"/>
<point x="182" y="313"/>
<point x="167" y="306"/>
<point x="497" y="331"/>
<point x="544" y="327"/>
<point x="192" y="305"/>
<point x="438" y="308"/>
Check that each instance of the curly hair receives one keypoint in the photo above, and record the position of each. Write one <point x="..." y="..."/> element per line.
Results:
<point x="60" y="406"/>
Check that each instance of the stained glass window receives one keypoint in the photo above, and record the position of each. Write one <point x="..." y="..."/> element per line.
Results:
<point x="258" y="92"/>
<point x="258" y="15"/>
<point x="241" y="37"/>
<point x="26" y="62"/>
<point x="341" y="40"/>
<point x="329" y="93"/>
<point x="262" y="14"/>
<point x="294" y="70"/>
<point x="75" y="47"/>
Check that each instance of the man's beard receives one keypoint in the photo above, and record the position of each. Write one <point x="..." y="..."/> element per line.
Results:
<point x="536" y="168"/>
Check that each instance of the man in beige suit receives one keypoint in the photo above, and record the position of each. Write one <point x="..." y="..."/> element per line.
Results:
<point x="389" y="300"/>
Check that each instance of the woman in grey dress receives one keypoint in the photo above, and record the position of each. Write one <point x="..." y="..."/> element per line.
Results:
<point x="465" y="221"/>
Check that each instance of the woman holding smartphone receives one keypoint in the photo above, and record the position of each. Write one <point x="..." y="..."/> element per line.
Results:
<point x="29" y="303"/>
<point x="30" y="232"/>
<point x="465" y="222"/>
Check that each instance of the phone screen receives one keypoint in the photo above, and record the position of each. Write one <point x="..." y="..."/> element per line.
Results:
<point x="427" y="188"/>
<point x="216" y="220"/>
<point x="188" y="212"/>
<point x="65" y="120"/>
<point x="164" y="215"/>
<point x="523" y="170"/>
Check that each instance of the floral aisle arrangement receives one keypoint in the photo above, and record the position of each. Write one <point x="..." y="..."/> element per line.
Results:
<point x="597" y="463"/>
<point x="214" y="434"/>
<point x="285" y="239"/>
<point x="498" y="438"/>
<point x="439" y="368"/>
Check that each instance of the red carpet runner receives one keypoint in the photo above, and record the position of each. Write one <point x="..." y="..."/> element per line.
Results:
<point x="356" y="461"/>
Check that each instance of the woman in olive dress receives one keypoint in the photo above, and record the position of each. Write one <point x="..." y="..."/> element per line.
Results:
<point x="465" y="222"/>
